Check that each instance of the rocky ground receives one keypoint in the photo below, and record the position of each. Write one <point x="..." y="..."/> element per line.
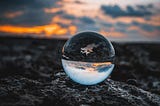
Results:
<point x="31" y="74"/>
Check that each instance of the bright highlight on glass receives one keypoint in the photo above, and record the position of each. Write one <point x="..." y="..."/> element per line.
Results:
<point x="87" y="58"/>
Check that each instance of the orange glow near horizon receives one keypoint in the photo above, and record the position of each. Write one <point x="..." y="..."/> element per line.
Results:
<point x="47" y="30"/>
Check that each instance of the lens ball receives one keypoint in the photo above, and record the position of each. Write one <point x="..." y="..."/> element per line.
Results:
<point x="87" y="58"/>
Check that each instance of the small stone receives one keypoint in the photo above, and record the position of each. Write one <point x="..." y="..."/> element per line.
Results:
<point x="132" y="82"/>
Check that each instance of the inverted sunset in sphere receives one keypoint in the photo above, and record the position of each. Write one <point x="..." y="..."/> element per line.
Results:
<point x="87" y="58"/>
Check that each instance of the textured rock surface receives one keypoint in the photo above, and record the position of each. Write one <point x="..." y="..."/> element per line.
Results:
<point x="18" y="90"/>
<point x="31" y="75"/>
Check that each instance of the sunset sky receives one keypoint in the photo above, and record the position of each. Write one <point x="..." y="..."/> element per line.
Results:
<point x="122" y="20"/>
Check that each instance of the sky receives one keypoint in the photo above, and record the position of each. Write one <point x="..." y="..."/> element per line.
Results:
<point x="117" y="20"/>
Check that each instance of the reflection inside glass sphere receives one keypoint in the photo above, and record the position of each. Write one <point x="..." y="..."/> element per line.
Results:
<point x="87" y="58"/>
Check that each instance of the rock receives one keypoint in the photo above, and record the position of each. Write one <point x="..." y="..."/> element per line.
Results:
<point x="18" y="91"/>
<point x="31" y="75"/>
<point x="132" y="82"/>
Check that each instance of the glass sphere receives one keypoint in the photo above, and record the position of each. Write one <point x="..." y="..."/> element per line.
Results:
<point x="87" y="58"/>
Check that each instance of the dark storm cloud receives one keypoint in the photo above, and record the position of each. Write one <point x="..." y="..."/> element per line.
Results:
<point x="116" y="11"/>
<point x="32" y="11"/>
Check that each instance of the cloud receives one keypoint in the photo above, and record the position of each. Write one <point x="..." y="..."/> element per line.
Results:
<point x="28" y="12"/>
<point x="47" y="30"/>
<point x="68" y="16"/>
<point x="74" y="1"/>
<point x="36" y="13"/>
<point x="116" y="11"/>
<point x="143" y="7"/>
<point x="57" y="18"/>
<point x="40" y="17"/>
<point x="79" y="2"/>
<point x="113" y="34"/>
<point x="87" y="20"/>
<point x="7" y="5"/>
<point x="146" y="27"/>
<point x="36" y="17"/>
